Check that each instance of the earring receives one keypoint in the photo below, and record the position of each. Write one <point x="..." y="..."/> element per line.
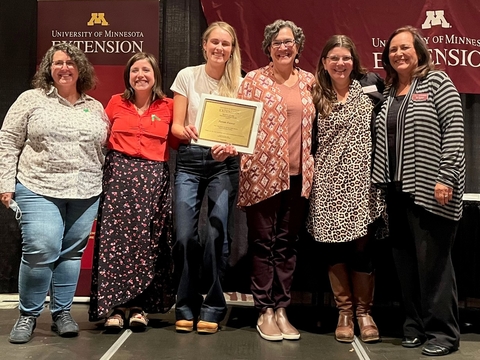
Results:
<point x="297" y="61"/>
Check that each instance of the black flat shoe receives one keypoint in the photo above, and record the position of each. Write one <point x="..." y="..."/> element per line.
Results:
<point x="435" y="350"/>
<point x="411" y="342"/>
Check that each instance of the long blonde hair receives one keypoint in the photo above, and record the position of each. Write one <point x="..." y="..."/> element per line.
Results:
<point x="230" y="80"/>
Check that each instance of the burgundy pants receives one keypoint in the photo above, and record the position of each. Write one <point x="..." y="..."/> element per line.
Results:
<point x="273" y="227"/>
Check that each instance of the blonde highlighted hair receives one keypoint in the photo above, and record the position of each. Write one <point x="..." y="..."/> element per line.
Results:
<point x="230" y="80"/>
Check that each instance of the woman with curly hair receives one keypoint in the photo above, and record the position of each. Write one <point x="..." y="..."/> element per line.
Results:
<point x="51" y="148"/>
<point x="275" y="181"/>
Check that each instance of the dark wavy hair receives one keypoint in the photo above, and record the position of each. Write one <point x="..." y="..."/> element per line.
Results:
<point x="86" y="74"/>
<point x="323" y="94"/>
<point x="272" y="30"/>
<point x="425" y="62"/>
<point x="129" y="93"/>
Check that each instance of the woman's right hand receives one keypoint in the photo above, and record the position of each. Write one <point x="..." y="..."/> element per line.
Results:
<point x="190" y="133"/>
<point x="5" y="198"/>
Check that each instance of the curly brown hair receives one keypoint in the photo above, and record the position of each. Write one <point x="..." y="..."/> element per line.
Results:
<point x="272" y="30"/>
<point x="86" y="74"/>
<point x="129" y="93"/>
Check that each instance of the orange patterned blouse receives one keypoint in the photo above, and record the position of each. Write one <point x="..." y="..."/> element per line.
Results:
<point x="265" y="173"/>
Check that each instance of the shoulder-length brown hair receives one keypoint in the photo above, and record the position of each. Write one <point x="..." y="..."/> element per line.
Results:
<point x="129" y="93"/>
<point x="425" y="63"/>
<point x="86" y="74"/>
<point x="322" y="91"/>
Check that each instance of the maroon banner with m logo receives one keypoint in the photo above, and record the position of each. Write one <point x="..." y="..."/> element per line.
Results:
<point x="449" y="27"/>
<point x="106" y="31"/>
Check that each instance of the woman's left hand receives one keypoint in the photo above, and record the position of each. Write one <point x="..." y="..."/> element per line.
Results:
<point x="443" y="193"/>
<point x="221" y="152"/>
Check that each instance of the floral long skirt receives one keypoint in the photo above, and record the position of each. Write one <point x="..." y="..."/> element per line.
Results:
<point x="132" y="260"/>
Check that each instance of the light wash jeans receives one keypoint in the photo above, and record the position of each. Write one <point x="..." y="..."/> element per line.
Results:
<point x="54" y="233"/>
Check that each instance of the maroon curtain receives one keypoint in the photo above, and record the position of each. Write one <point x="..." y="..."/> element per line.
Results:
<point x="450" y="29"/>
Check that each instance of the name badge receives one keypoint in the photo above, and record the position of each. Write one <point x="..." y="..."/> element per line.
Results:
<point x="369" y="89"/>
<point x="420" y="97"/>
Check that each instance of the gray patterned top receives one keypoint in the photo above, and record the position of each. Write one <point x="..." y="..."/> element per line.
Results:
<point x="52" y="147"/>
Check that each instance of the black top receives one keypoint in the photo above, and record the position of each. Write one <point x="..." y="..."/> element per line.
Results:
<point x="392" y="132"/>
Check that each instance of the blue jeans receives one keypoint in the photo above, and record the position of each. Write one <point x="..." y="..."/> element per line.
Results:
<point x="54" y="234"/>
<point x="196" y="174"/>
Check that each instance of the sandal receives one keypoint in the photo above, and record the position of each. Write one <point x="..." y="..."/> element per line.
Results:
<point x="115" y="322"/>
<point x="138" y="319"/>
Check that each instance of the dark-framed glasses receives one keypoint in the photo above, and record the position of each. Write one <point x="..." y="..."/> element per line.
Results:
<point x="70" y="64"/>
<point x="336" y="58"/>
<point x="288" y="43"/>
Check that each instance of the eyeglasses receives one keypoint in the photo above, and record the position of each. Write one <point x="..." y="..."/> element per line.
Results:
<point x="288" y="43"/>
<point x="70" y="64"/>
<point x="336" y="58"/>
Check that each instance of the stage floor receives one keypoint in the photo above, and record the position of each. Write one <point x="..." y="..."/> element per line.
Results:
<point x="237" y="339"/>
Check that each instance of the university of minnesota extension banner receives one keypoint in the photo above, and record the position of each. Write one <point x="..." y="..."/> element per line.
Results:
<point x="109" y="32"/>
<point x="450" y="28"/>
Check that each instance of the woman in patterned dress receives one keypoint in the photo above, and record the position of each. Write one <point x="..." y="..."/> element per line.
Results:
<point x="133" y="265"/>
<point x="343" y="203"/>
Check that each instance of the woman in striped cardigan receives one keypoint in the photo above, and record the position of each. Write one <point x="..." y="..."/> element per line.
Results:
<point x="419" y="157"/>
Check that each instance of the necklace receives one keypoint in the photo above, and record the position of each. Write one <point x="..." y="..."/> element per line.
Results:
<point x="212" y="84"/>
<point x="142" y="109"/>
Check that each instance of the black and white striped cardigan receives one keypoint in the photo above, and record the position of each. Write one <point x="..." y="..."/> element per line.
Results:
<point x="433" y="145"/>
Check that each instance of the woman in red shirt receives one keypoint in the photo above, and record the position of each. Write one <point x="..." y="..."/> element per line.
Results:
<point x="132" y="258"/>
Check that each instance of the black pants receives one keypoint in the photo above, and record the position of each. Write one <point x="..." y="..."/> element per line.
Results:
<point x="422" y="244"/>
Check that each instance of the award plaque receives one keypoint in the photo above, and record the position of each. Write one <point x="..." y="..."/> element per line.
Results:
<point x="224" y="120"/>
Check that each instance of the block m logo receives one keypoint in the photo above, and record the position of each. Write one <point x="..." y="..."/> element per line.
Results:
<point x="435" y="18"/>
<point x="97" y="19"/>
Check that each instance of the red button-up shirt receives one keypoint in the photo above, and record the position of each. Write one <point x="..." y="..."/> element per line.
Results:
<point x="145" y="136"/>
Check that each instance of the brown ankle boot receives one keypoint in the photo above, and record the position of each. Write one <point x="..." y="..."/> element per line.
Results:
<point x="344" y="331"/>
<point x="288" y="330"/>
<point x="340" y="282"/>
<point x="363" y="288"/>
<point x="267" y="326"/>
